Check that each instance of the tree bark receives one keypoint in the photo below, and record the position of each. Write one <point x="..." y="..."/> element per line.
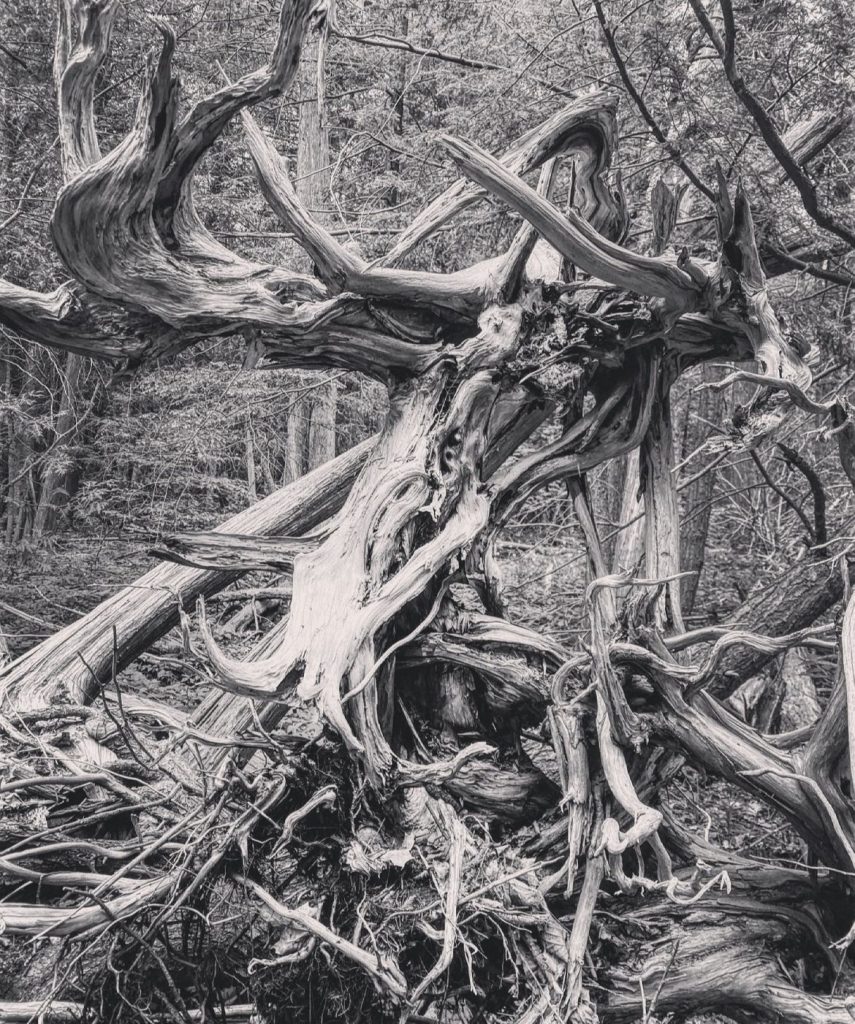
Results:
<point x="311" y="419"/>
<point x="56" y="478"/>
<point x="703" y="409"/>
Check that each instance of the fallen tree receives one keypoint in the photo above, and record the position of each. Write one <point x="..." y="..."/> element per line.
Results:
<point x="411" y="856"/>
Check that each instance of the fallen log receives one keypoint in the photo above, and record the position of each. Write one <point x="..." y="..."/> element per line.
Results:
<point x="70" y="663"/>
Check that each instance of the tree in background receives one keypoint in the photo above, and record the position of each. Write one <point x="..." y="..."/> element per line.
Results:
<point x="311" y="423"/>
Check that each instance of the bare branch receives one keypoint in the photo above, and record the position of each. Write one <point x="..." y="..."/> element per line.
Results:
<point x="385" y="971"/>
<point x="464" y="292"/>
<point x="202" y="125"/>
<point x="727" y="52"/>
<point x="573" y="237"/>
<point x="233" y="551"/>
<point x="76" y="66"/>
<point x="670" y="148"/>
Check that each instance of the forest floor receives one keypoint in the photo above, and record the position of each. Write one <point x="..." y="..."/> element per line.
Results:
<point x="43" y="589"/>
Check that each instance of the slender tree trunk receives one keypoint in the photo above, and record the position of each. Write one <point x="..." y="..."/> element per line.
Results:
<point x="56" y="480"/>
<point x="395" y="89"/>
<point x="249" y="447"/>
<point x="704" y="409"/>
<point x="629" y="543"/>
<point x="16" y="500"/>
<point x="295" y="439"/>
<point x="7" y="433"/>
<point x="661" y="510"/>
<point x="311" y="420"/>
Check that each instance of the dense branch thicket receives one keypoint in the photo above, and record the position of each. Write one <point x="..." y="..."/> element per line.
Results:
<point x="403" y="803"/>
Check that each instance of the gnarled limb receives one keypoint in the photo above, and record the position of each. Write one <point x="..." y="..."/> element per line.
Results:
<point x="573" y="237"/>
<point x="462" y="293"/>
<point x="587" y="127"/>
<point x="385" y="970"/>
<point x="205" y="122"/>
<point x="731" y="965"/>
<point x="103" y="227"/>
<point x="57" y="318"/>
<point x="426" y="465"/>
<point x="776" y="609"/>
<point x="712" y="737"/>
<point x="35" y="921"/>
<point x="243" y="552"/>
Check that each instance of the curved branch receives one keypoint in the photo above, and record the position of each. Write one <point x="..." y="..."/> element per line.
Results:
<point x="203" y="125"/>
<point x="795" y="459"/>
<point x="463" y="292"/>
<point x="573" y="237"/>
<point x="612" y="428"/>
<point x="586" y="127"/>
<point x="384" y="970"/>
<point x="695" y="679"/>
<point x="39" y="922"/>
<point x="104" y="230"/>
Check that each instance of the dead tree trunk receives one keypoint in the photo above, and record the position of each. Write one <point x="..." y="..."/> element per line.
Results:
<point x="114" y="633"/>
<point x="703" y="409"/>
<point x="311" y="419"/>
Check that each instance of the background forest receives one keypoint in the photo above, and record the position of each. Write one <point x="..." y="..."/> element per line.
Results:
<point x="97" y="463"/>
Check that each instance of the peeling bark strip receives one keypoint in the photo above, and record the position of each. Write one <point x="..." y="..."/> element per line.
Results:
<point x="447" y="728"/>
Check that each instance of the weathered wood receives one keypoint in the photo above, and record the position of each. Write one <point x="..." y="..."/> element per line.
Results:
<point x="56" y="479"/>
<point x="573" y="237"/>
<point x="587" y="126"/>
<point x="229" y="714"/>
<point x="373" y="590"/>
<point x="664" y="207"/>
<point x="242" y="552"/>
<point x="661" y="509"/>
<point x="730" y="964"/>
<point x="629" y="543"/>
<point x="148" y="608"/>
<point x="436" y="431"/>
<point x="703" y="408"/>
<point x="313" y="418"/>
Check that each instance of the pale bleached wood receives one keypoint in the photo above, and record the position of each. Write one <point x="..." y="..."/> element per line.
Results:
<point x="144" y="611"/>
